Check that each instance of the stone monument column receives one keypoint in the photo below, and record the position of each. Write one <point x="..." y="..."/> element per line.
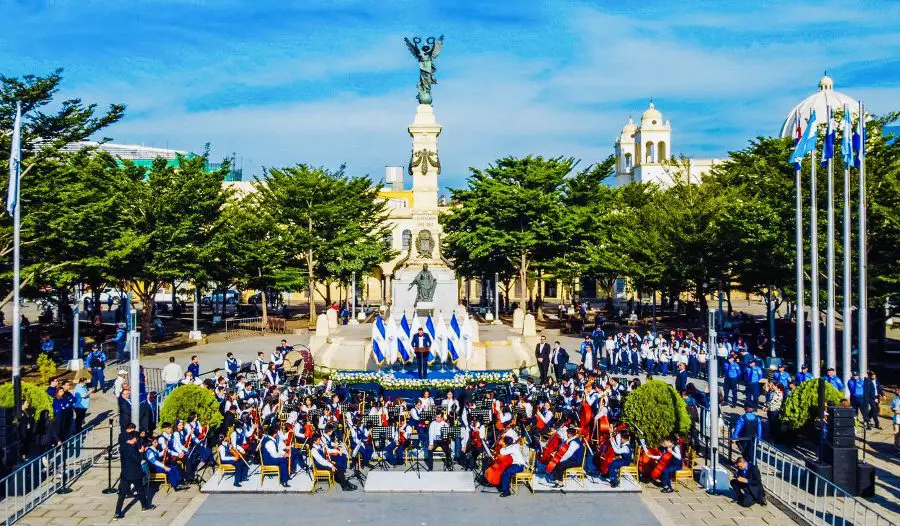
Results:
<point x="424" y="163"/>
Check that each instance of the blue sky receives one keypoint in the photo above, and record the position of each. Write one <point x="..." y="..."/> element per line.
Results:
<point x="285" y="82"/>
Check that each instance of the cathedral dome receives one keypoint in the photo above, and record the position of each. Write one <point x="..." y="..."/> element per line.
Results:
<point x="651" y="116"/>
<point x="820" y="101"/>
<point x="629" y="128"/>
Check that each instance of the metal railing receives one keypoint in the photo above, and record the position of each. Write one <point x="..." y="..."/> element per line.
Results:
<point x="813" y="498"/>
<point x="246" y="327"/>
<point x="818" y="500"/>
<point x="45" y="475"/>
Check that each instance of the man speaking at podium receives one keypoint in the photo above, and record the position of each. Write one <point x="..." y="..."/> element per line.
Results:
<point x="421" y="343"/>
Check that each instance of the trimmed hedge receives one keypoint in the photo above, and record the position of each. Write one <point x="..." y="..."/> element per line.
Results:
<point x="799" y="410"/>
<point x="188" y="399"/>
<point x="655" y="410"/>
<point x="37" y="397"/>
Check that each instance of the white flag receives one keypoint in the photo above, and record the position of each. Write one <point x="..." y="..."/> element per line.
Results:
<point x="15" y="161"/>
<point x="467" y="334"/>
<point x="441" y="330"/>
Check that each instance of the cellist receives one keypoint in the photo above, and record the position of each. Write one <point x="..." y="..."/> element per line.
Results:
<point x="514" y="451"/>
<point x="621" y="445"/>
<point x="569" y="455"/>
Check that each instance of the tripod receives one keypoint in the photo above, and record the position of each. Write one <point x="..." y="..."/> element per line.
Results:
<point x="417" y="465"/>
<point x="379" y="435"/>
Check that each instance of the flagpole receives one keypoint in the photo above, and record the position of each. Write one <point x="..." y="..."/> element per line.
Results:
<point x="848" y="292"/>
<point x="830" y="341"/>
<point x="863" y="293"/>
<point x="17" y="313"/>
<point x="801" y="322"/>
<point x="814" y="333"/>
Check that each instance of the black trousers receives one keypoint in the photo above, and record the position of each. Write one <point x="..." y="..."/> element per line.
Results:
<point x="422" y="360"/>
<point x="79" y="419"/>
<point x="543" y="367"/>
<point x="563" y="466"/>
<point x="140" y="491"/>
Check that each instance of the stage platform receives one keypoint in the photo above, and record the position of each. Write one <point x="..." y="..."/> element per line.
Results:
<point x="543" y="484"/>
<point x="422" y="482"/>
<point x="300" y="483"/>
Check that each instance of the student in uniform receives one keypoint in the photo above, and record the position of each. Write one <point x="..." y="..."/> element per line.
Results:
<point x="573" y="457"/>
<point x="272" y="456"/>
<point x="435" y="442"/>
<point x="514" y="450"/>
<point x="621" y="445"/>
<point x="674" y="464"/>
<point x="322" y="461"/>
<point x="226" y="456"/>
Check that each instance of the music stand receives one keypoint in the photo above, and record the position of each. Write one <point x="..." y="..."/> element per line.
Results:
<point x="372" y="421"/>
<point x="417" y="465"/>
<point x="451" y="434"/>
<point x="380" y="435"/>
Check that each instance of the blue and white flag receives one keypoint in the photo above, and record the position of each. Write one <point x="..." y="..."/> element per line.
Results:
<point x="468" y="335"/>
<point x="404" y="345"/>
<point x="808" y="142"/>
<point x="828" y="147"/>
<point x="859" y="140"/>
<point x="15" y="162"/>
<point x="391" y="334"/>
<point x="846" y="139"/>
<point x="440" y="329"/>
<point x="379" y="341"/>
<point x="433" y="351"/>
<point x="454" y="340"/>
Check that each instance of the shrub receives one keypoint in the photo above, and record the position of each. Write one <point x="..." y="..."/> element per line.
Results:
<point x="799" y="410"/>
<point x="36" y="395"/>
<point x="46" y="367"/>
<point x="655" y="410"/>
<point x="187" y="399"/>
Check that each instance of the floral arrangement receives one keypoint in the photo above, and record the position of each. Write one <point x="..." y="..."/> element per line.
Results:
<point x="389" y="381"/>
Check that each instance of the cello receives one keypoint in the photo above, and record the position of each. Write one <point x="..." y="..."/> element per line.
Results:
<point x="605" y="453"/>
<point x="560" y="453"/>
<point x="495" y="471"/>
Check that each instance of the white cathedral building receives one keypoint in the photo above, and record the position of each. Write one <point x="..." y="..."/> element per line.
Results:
<point x="644" y="153"/>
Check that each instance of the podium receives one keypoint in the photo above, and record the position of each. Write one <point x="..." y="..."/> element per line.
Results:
<point x="422" y="354"/>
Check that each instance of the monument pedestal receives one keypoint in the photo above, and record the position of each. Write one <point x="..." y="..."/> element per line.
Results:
<point x="445" y="293"/>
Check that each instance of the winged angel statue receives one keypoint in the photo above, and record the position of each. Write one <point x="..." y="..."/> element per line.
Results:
<point x="426" y="56"/>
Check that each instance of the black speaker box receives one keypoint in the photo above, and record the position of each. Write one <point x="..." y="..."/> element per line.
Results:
<point x="824" y="470"/>
<point x="848" y="441"/>
<point x="841" y="412"/>
<point x="842" y="431"/>
<point x="839" y="456"/>
<point x="865" y="480"/>
<point x="845" y="478"/>
<point x="843" y="422"/>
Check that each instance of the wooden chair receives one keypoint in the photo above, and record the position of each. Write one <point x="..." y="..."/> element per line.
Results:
<point x="577" y="473"/>
<point x="323" y="475"/>
<point x="162" y="480"/>
<point x="527" y="475"/>
<point x="687" y="469"/>
<point x="267" y="470"/>
<point x="222" y="468"/>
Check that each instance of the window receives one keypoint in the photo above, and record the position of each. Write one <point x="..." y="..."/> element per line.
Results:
<point x="661" y="150"/>
<point x="627" y="161"/>
<point x="406" y="239"/>
<point x="651" y="152"/>
<point x="550" y="288"/>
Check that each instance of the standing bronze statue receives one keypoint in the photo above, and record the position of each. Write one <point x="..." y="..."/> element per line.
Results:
<point x="426" y="56"/>
<point x="425" y="283"/>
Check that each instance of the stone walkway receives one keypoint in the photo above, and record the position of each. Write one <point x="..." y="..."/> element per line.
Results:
<point x="697" y="507"/>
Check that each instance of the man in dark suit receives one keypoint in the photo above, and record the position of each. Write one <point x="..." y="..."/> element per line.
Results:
<point x="132" y="475"/>
<point x="542" y="353"/>
<point x="422" y="340"/>
<point x="747" y="484"/>
<point x="559" y="358"/>
<point x="872" y="392"/>
<point x="147" y="415"/>
<point x="681" y="379"/>
<point x="124" y="402"/>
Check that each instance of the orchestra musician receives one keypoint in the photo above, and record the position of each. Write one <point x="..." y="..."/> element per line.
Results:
<point x="334" y="448"/>
<point x="450" y="406"/>
<point x="436" y="441"/>
<point x="544" y="419"/>
<point x="514" y="451"/>
<point x="472" y="444"/>
<point x="361" y="438"/>
<point x="273" y="456"/>
<point x="621" y="445"/>
<point x="156" y="457"/>
<point x="171" y="439"/>
<point x="323" y="461"/>
<point x="569" y="455"/>
<point x="399" y="442"/>
<point x="233" y="457"/>
<point x="673" y="462"/>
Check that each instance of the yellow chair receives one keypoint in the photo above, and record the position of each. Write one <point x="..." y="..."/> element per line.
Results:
<point x="162" y="480"/>
<point x="267" y="470"/>
<point x="527" y="475"/>
<point x="632" y="469"/>
<point x="223" y="468"/>
<point x="577" y="473"/>
<point x="323" y="475"/>
<point x="687" y="469"/>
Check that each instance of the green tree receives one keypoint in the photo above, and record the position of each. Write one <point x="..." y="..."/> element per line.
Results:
<point x="190" y="399"/>
<point x="48" y="125"/>
<point x="509" y="209"/>
<point x="169" y="214"/>
<point x="36" y="395"/>
<point x="655" y="411"/>
<point x="329" y="224"/>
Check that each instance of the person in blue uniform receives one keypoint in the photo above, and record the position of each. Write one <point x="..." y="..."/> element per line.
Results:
<point x="752" y="375"/>
<point x="240" y="465"/>
<point x="732" y="375"/>
<point x="803" y="375"/>
<point x="832" y="378"/>
<point x="621" y="445"/>
<point x="674" y="464"/>
<point x="747" y="431"/>
<point x="271" y="456"/>
<point x="856" y="385"/>
<point x="782" y="377"/>
<point x="421" y="339"/>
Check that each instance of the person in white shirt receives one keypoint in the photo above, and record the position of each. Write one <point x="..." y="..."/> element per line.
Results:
<point x="573" y="457"/>
<point x="621" y="445"/>
<point x="436" y="441"/>
<point x="427" y="400"/>
<point x="673" y="465"/>
<point x="226" y="456"/>
<point x="514" y="451"/>
<point x="273" y="456"/>
<point x="172" y="374"/>
<point x="119" y="384"/>
<point x="449" y="404"/>
<point x="260" y="365"/>
<point x="322" y="462"/>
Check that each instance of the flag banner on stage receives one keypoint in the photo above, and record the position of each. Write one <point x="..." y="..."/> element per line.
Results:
<point x="454" y="340"/>
<point x="807" y="142"/>
<point x="15" y="161"/>
<point x="441" y="328"/>
<point x="392" y="339"/>
<point x="846" y="139"/>
<point x="404" y="345"/>
<point x="828" y="147"/>
<point x="468" y="333"/>
<point x="379" y="340"/>
<point x="429" y="328"/>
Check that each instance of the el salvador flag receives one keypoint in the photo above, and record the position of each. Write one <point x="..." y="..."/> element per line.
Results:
<point x="404" y="346"/>
<point x="429" y="328"/>
<point x="15" y="160"/>
<point x="379" y="340"/>
<point x="859" y="140"/>
<point x="454" y="340"/>
<point x="808" y="142"/>
<point x="846" y="144"/>
<point x="828" y="148"/>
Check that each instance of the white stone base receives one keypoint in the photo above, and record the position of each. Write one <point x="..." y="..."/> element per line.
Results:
<point x="723" y="479"/>
<point x="300" y="483"/>
<point x="543" y="484"/>
<point x="195" y="335"/>
<point x="422" y="482"/>
<point x="76" y="365"/>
